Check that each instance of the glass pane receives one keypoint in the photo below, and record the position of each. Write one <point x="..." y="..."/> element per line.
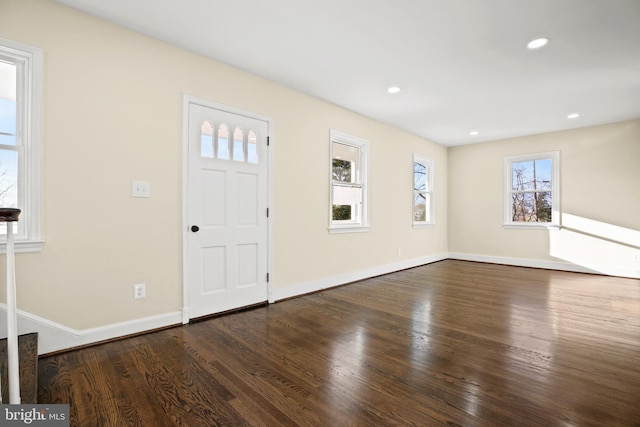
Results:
<point x="347" y="195"/>
<point x="531" y="207"/>
<point x="341" y="170"/>
<point x="8" y="179"/>
<point x="252" y="147"/>
<point x="238" y="145"/>
<point x="3" y="228"/>
<point x="206" y="139"/>
<point x="345" y="163"/>
<point x="347" y="202"/>
<point x="531" y="175"/>
<point x="341" y="212"/>
<point x="420" y="176"/>
<point x="223" y="142"/>
<point x="7" y="103"/>
<point x="421" y="207"/>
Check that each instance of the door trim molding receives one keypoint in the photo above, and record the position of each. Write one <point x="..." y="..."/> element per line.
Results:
<point x="189" y="100"/>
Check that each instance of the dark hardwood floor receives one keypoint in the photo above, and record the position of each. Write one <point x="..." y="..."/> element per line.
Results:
<point x="28" y="367"/>
<point x="450" y="343"/>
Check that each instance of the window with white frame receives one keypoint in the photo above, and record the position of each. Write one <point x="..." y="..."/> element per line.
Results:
<point x="348" y="198"/>
<point x="532" y="195"/>
<point x="423" y="207"/>
<point x="20" y="92"/>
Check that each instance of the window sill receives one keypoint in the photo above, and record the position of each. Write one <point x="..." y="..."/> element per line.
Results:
<point x="21" y="246"/>
<point x="532" y="226"/>
<point x="348" y="229"/>
<point x="423" y="225"/>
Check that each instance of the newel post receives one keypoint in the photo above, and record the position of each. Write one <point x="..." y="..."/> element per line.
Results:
<point x="8" y="216"/>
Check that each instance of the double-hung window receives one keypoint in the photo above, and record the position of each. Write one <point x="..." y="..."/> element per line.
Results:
<point x="423" y="207"/>
<point x="20" y="79"/>
<point x="348" y="198"/>
<point x="532" y="195"/>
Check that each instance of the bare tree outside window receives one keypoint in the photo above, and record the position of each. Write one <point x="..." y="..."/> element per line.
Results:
<point x="6" y="188"/>
<point x="419" y="188"/>
<point x="531" y="191"/>
<point x="20" y="139"/>
<point x="423" y="209"/>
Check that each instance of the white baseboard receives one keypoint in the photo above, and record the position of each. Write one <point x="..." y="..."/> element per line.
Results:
<point x="549" y="265"/>
<point x="53" y="336"/>
<point x="341" y="279"/>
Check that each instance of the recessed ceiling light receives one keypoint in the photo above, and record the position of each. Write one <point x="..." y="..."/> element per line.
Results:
<point x="573" y="116"/>
<point x="474" y="133"/>
<point x="393" y="89"/>
<point x="538" y="43"/>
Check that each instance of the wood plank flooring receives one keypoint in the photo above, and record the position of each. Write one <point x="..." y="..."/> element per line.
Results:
<point x="28" y="367"/>
<point x="451" y="343"/>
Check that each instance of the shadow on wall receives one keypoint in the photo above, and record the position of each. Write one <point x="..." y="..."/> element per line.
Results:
<point x="597" y="246"/>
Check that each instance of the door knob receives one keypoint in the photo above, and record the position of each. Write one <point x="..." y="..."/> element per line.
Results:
<point x="195" y="228"/>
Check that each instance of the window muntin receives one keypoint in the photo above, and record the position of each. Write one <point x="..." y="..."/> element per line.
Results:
<point x="532" y="190"/>
<point x="423" y="207"/>
<point x="349" y="157"/>
<point x="20" y="94"/>
<point x="238" y="145"/>
<point x="223" y="143"/>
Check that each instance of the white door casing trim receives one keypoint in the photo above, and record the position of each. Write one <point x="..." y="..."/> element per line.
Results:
<point x="193" y="100"/>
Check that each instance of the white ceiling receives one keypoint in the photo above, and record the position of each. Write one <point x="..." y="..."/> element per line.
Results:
<point x="462" y="65"/>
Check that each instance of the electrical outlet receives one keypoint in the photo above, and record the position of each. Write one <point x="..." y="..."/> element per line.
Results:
<point x="399" y="251"/>
<point x="140" y="189"/>
<point x="139" y="291"/>
<point x="636" y="257"/>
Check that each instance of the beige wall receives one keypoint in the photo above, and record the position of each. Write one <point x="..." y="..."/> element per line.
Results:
<point x="600" y="198"/>
<point x="112" y="114"/>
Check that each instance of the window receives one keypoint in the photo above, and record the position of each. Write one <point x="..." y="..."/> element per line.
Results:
<point x="423" y="209"/>
<point x="532" y="190"/>
<point x="206" y="139"/>
<point x="244" y="147"/>
<point x="252" y="147"/>
<point x="348" y="198"/>
<point x="20" y="77"/>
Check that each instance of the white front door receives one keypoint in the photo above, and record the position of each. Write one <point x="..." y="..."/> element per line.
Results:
<point x="226" y="210"/>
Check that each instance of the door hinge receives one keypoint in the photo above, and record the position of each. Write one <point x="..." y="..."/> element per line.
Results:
<point x="268" y="140"/>
<point x="267" y="277"/>
<point x="267" y="212"/>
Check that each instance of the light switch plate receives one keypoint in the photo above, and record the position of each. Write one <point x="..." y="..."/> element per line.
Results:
<point x="140" y="189"/>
